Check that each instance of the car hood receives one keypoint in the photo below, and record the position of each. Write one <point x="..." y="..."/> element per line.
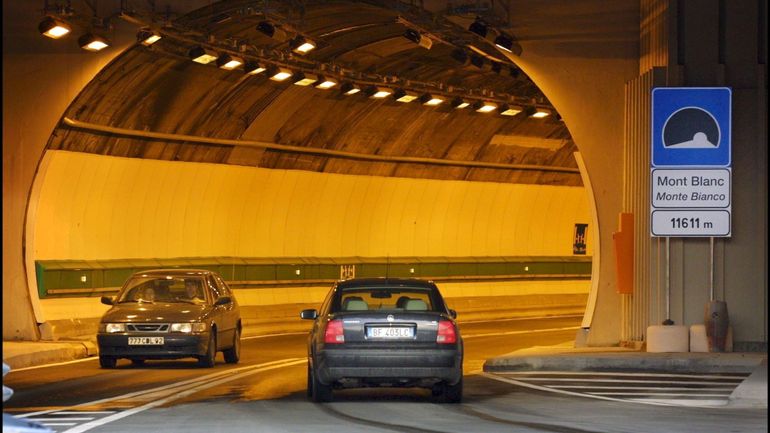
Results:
<point x="157" y="312"/>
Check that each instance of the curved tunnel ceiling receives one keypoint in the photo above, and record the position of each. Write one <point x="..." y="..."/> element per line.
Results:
<point x="160" y="90"/>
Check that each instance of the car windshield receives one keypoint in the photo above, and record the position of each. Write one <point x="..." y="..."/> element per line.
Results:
<point x="164" y="288"/>
<point x="386" y="299"/>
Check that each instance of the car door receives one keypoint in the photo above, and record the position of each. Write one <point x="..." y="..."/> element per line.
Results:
<point x="225" y="324"/>
<point x="233" y="311"/>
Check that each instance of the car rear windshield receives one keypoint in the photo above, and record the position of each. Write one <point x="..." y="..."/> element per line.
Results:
<point x="413" y="299"/>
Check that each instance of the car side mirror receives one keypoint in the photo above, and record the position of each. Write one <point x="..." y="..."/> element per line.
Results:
<point x="308" y="314"/>
<point x="107" y="300"/>
<point x="453" y="313"/>
<point x="223" y="300"/>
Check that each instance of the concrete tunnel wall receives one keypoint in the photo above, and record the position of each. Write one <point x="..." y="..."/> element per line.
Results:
<point x="92" y="207"/>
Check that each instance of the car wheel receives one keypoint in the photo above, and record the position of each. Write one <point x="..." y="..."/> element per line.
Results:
<point x="108" y="361"/>
<point x="453" y="393"/>
<point x="137" y="362"/>
<point x="209" y="358"/>
<point x="233" y="354"/>
<point x="320" y="392"/>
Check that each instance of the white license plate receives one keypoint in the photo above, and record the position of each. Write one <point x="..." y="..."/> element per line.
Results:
<point x="389" y="332"/>
<point x="145" y="341"/>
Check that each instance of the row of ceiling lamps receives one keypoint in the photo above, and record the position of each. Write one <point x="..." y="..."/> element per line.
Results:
<point x="55" y="29"/>
<point x="205" y="56"/>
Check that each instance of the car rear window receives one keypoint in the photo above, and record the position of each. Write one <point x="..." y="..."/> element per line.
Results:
<point x="412" y="299"/>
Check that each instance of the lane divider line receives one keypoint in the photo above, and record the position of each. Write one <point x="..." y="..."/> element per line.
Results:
<point x="640" y="374"/>
<point x="88" y="426"/>
<point x="494" y="334"/>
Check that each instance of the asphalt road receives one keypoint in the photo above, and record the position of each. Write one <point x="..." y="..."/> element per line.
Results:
<point x="266" y="393"/>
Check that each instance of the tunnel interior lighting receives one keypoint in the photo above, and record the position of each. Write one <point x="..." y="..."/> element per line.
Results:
<point x="202" y="55"/>
<point x="324" y="83"/>
<point x="418" y="38"/>
<point x="301" y="45"/>
<point x="430" y="100"/>
<point x="271" y="30"/>
<point x="92" y="42"/>
<point x="303" y="79"/>
<point x="402" y="95"/>
<point x="53" y="28"/>
<point x="377" y="92"/>
<point x="479" y="27"/>
<point x="228" y="62"/>
<point x="459" y="103"/>
<point x="540" y="113"/>
<point x="147" y="37"/>
<point x="279" y="74"/>
<point x="253" y="68"/>
<point x="504" y="42"/>
<point x="347" y="88"/>
<point x="510" y="110"/>
<point x="484" y="107"/>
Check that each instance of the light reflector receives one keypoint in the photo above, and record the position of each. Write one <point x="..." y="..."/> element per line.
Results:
<point x="485" y="107"/>
<point x="202" y="55"/>
<point x="53" y="28"/>
<point x="253" y="68"/>
<point x="510" y="110"/>
<point x="228" y="62"/>
<point x="279" y="74"/>
<point x="92" y="42"/>
<point x="301" y="45"/>
<point x="147" y="37"/>
<point x="324" y="83"/>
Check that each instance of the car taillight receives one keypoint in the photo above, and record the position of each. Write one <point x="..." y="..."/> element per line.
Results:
<point x="334" y="333"/>
<point x="446" y="332"/>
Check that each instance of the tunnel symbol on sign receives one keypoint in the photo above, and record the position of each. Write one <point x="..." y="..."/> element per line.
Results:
<point x="691" y="128"/>
<point x="347" y="272"/>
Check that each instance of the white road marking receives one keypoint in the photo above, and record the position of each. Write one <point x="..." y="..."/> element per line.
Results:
<point x="548" y="379"/>
<point x="84" y="412"/>
<point x="670" y="394"/>
<point x="170" y="388"/>
<point x="494" y="334"/>
<point x="730" y="389"/>
<point x="63" y="419"/>
<point x="90" y="358"/>
<point x="600" y="373"/>
<point x="88" y="426"/>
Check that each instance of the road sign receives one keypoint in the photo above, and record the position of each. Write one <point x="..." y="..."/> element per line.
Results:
<point x="690" y="223"/>
<point x="691" y="126"/>
<point x="690" y="188"/>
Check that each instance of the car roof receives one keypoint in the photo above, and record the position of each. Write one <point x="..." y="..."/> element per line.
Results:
<point x="174" y="271"/>
<point x="383" y="281"/>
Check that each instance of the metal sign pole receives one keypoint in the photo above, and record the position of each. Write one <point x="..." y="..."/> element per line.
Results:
<point x="711" y="269"/>
<point x="668" y="320"/>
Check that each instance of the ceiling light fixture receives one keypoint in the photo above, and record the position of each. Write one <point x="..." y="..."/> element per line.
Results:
<point x="459" y="103"/>
<point x="479" y="27"/>
<point x="53" y="28"/>
<point x="377" y="92"/>
<point x="504" y="42"/>
<point x="484" y="106"/>
<point x="347" y="88"/>
<point x="278" y="74"/>
<point x="418" y="38"/>
<point x="303" y="79"/>
<point x="92" y="42"/>
<point x="540" y="113"/>
<point x="430" y="100"/>
<point x="402" y="95"/>
<point x="228" y="62"/>
<point x="324" y="83"/>
<point x="253" y="68"/>
<point x="147" y="37"/>
<point x="271" y="30"/>
<point x="201" y="55"/>
<point x="510" y="110"/>
<point x="301" y="45"/>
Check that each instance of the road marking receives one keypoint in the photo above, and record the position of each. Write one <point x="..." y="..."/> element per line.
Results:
<point x="63" y="419"/>
<point x="90" y="358"/>
<point x="701" y="393"/>
<point x="256" y="369"/>
<point x="494" y="334"/>
<point x="514" y="319"/>
<point x="170" y="388"/>
<point x="85" y="412"/>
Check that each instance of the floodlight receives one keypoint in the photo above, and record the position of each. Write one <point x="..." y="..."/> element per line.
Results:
<point x="303" y="79"/>
<point x="92" y="42"/>
<point x="347" y="88"/>
<point x="202" y="55"/>
<point x="510" y="110"/>
<point x="459" y="103"/>
<point x="428" y="99"/>
<point x="324" y="83"/>
<point x="147" y="37"/>
<point x="402" y="95"/>
<point x="253" y="68"/>
<point x="53" y="28"/>
<point x="278" y="74"/>
<point x="484" y="106"/>
<point x="226" y="61"/>
<point x="301" y="45"/>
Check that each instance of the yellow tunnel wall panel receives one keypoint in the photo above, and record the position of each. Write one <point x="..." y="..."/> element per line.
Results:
<point x="102" y="207"/>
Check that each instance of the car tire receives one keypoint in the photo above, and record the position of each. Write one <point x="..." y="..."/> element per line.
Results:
<point x="453" y="393"/>
<point x="108" y="361"/>
<point x="233" y="354"/>
<point x="209" y="359"/>
<point x="321" y="393"/>
<point x="137" y="362"/>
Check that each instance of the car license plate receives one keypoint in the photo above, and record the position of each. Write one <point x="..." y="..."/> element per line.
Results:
<point x="145" y="341"/>
<point x="390" y="332"/>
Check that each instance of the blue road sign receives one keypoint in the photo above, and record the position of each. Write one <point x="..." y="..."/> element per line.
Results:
<point x="691" y="126"/>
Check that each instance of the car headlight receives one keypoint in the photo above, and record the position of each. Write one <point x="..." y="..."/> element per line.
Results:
<point x="188" y="327"/>
<point x="111" y="328"/>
